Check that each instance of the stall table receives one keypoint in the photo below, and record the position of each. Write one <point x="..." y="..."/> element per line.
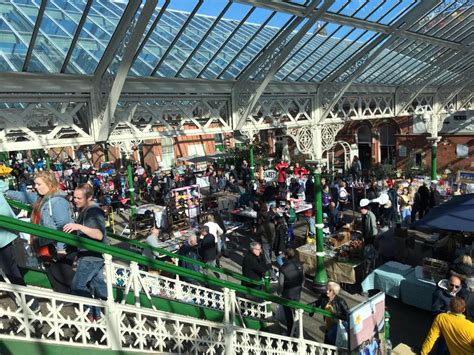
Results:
<point x="347" y="272"/>
<point x="387" y="278"/>
<point x="417" y="291"/>
<point x="159" y="211"/>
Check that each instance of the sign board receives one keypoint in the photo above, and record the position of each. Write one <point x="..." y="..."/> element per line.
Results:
<point x="466" y="177"/>
<point x="270" y="175"/>
<point x="367" y="321"/>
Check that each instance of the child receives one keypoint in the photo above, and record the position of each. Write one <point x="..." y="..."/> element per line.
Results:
<point x="291" y="219"/>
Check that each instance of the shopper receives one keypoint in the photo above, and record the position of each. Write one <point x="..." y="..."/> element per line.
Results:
<point x="290" y="284"/>
<point x="457" y="331"/>
<point x="89" y="278"/>
<point x="50" y="209"/>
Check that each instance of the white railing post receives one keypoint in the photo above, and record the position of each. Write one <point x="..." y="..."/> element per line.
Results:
<point x="178" y="290"/>
<point x="135" y="274"/>
<point x="112" y="316"/>
<point x="229" y="319"/>
<point x="301" y="344"/>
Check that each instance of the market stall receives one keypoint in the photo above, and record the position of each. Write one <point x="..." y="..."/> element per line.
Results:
<point x="158" y="211"/>
<point x="347" y="271"/>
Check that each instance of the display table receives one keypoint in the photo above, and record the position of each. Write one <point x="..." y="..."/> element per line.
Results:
<point x="387" y="278"/>
<point x="226" y="200"/>
<point x="337" y="271"/>
<point x="416" y="291"/>
<point x="159" y="211"/>
<point x="202" y="181"/>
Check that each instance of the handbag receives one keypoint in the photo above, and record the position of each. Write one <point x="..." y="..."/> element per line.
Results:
<point x="341" y="336"/>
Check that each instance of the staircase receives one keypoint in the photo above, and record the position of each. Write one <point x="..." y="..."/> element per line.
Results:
<point x="217" y="324"/>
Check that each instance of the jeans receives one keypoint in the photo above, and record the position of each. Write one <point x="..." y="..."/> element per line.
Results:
<point x="406" y="216"/>
<point x="280" y="260"/>
<point x="267" y="253"/>
<point x="291" y="234"/>
<point x="89" y="281"/>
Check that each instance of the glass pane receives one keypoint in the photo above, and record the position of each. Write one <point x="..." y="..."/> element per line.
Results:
<point x="56" y="33"/>
<point x="99" y="27"/>
<point x="16" y="26"/>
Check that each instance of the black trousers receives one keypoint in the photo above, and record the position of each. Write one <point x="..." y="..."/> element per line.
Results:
<point x="289" y="319"/>
<point x="9" y="266"/>
<point x="60" y="273"/>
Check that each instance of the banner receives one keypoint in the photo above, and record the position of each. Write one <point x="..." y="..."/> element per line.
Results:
<point x="270" y="175"/>
<point x="367" y="324"/>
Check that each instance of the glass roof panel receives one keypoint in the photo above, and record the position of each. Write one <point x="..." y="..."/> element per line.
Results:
<point x="381" y="11"/>
<point x="56" y="33"/>
<point x="236" y="43"/>
<point x="191" y="37"/>
<point x="255" y="45"/>
<point x="217" y="39"/>
<point x="16" y="27"/>
<point x="98" y="28"/>
<point x="447" y="19"/>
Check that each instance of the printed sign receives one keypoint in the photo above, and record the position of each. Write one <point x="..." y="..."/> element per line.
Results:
<point x="270" y="175"/>
<point x="466" y="177"/>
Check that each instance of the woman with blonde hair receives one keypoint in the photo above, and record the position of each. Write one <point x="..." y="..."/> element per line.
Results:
<point x="50" y="209"/>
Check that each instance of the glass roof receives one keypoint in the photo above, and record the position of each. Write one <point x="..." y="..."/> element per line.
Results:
<point x="219" y="39"/>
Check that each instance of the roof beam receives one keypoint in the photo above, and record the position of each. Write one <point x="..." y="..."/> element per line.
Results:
<point x="428" y="75"/>
<point x="104" y="118"/>
<point x="244" y="95"/>
<point x="34" y="35"/>
<point x="298" y="10"/>
<point x="117" y="38"/>
<point x="77" y="33"/>
<point x="352" y="69"/>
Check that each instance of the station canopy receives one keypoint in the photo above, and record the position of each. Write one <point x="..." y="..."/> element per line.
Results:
<point x="218" y="39"/>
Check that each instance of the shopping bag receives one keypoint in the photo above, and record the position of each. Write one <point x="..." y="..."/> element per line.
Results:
<point x="341" y="336"/>
<point x="280" y="315"/>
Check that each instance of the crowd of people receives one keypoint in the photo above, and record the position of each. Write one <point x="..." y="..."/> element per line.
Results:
<point x="382" y="204"/>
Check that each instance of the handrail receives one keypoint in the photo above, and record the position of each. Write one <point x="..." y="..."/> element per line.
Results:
<point x="224" y="271"/>
<point x="240" y="277"/>
<point x="13" y="224"/>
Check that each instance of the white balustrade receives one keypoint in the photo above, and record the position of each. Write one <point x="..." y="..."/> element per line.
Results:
<point x="63" y="320"/>
<point x="132" y="278"/>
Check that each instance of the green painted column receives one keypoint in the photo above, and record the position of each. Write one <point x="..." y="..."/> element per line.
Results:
<point x="131" y="188"/>
<point x="434" y="148"/>
<point x="320" y="275"/>
<point x="48" y="162"/>
<point x="252" y="167"/>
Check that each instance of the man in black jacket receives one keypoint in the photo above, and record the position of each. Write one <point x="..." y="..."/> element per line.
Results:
<point x="435" y="197"/>
<point x="207" y="247"/>
<point x="290" y="283"/>
<point x="253" y="265"/>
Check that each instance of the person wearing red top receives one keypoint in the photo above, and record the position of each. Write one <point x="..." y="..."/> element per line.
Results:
<point x="281" y="165"/>
<point x="299" y="170"/>
<point x="282" y="176"/>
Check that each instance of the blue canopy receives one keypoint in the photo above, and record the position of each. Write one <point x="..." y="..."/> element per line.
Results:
<point x="455" y="215"/>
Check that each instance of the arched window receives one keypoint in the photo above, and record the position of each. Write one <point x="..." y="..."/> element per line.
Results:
<point x="387" y="144"/>
<point x="364" y="135"/>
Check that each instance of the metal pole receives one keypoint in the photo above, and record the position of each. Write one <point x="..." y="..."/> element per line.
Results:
<point x="47" y="159"/>
<point x="106" y="153"/>
<point x="131" y="188"/>
<point x="320" y="276"/>
<point x="434" y="148"/>
<point x="252" y="167"/>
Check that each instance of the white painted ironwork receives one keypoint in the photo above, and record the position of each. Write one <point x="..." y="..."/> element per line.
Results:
<point x="29" y="124"/>
<point x="357" y="107"/>
<point x="154" y="118"/>
<point x="63" y="320"/>
<point x="252" y="82"/>
<point x="126" y="54"/>
<point x="133" y="279"/>
<point x="328" y="135"/>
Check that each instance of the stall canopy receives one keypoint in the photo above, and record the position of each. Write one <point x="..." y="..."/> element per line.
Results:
<point x="455" y="215"/>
